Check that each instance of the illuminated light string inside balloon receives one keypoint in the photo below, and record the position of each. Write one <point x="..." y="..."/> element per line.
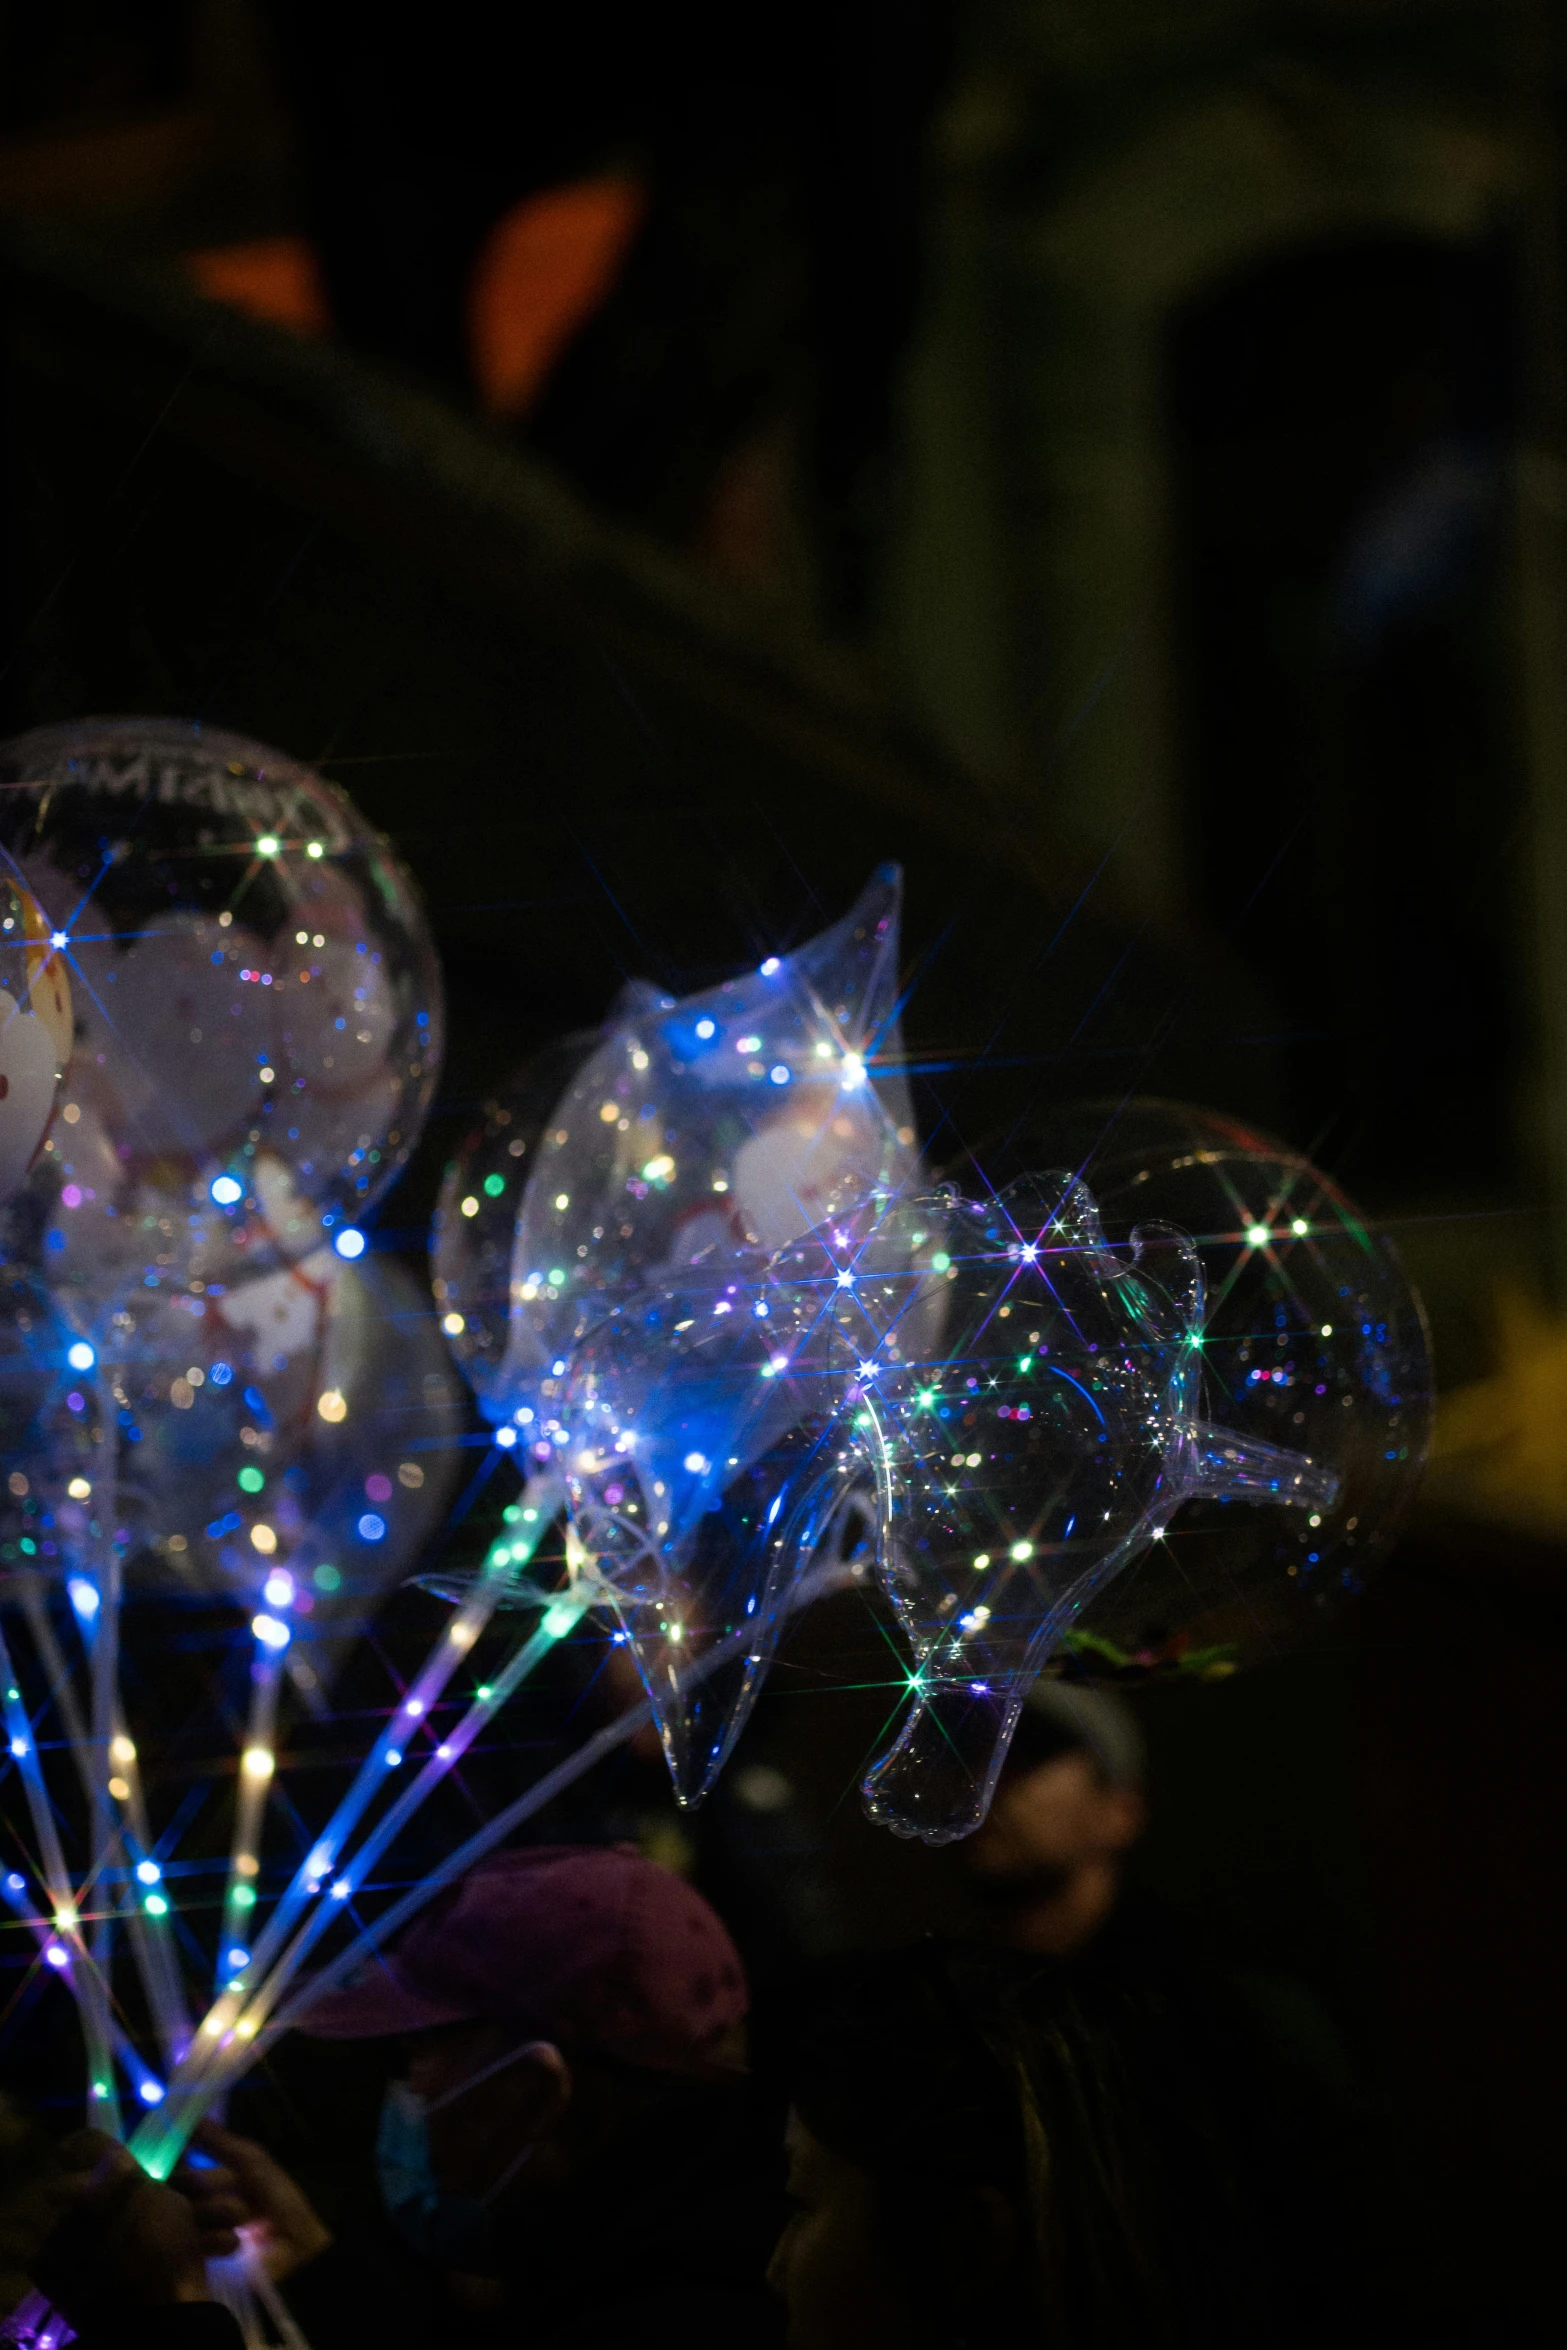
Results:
<point x="65" y="1917"/>
<point x="243" y="2031"/>
<point x="559" y="1618"/>
<point x="150" y="1924"/>
<point x="324" y="1881"/>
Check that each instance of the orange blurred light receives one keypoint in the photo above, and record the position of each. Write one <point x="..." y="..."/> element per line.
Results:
<point x="546" y="267"/>
<point x="275" y="278"/>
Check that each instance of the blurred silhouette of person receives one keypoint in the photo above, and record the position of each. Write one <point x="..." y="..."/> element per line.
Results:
<point x="1047" y="1863"/>
<point x="986" y="2149"/>
<point x="770" y="287"/>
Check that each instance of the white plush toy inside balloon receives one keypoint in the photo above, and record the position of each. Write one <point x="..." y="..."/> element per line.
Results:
<point x="35" y="1030"/>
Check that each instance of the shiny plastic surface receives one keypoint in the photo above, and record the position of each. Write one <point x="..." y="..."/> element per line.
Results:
<point x="735" y="1118"/>
<point x="1313" y="1337"/>
<point x="255" y="1000"/>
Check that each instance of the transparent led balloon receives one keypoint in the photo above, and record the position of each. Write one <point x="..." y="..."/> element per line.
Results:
<point x="473" y="1235"/>
<point x="702" y="1473"/>
<point x="1313" y="1338"/>
<point x="1029" y="1404"/>
<point x="738" y="1117"/>
<point x="44" y="1447"/>
<point x="254" y="998"/>
<point x="305" y="1421"/>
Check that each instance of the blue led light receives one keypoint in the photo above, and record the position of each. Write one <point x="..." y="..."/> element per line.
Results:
<point x="227" y="1190"/>
<point x="80" y="1356"/>
<point x="371" y="1528"/>
<point x="350" y="1243"/>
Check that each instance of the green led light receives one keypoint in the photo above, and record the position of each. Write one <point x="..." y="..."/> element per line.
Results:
<point x="495" y="1185"/>
<point x="485" y="1694"/>
<point x="244" y="1897"/>
<point x="511" y="1513"/>
<point x="1024" y="1362"/>
<point x="156" y="1906"/>
<point x="326" y="1579"/>
<point x="557" y="1621"/>
<point x="250" y="1480"/>
<point x="940" y="1261"/>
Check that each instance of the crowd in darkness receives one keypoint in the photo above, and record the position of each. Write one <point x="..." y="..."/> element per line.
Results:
<point x="1065" y="2129"/>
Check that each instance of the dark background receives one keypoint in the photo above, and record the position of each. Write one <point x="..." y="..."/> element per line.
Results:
<point x="826" y="540"/>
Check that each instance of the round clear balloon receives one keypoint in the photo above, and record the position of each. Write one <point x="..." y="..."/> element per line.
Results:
<point x="1313" y="1340"/>
<point x="254" y="1000"/>
<point x="473" y="1234"/>
<point x="300" y="1432"/>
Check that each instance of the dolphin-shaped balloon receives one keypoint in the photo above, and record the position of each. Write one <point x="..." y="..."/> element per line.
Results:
<point x="702" y="1474"/>
<point x="1028" y="1404"/>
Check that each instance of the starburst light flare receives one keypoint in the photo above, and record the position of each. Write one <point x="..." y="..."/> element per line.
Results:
<point x="737" y="1118"/>
<point x="703" y="1474"/>
<point x="1029" y="1404"/>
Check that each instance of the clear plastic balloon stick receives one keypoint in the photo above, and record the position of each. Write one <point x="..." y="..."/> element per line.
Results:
<point x="560" y="1617"/>
<point x="91" y="1990"/>
<point x="159" y="2142"/>
<point x="149" y="1922"/>
<point x="257" y="1764"/>
<point x="104" y="1682"/>
<point x="270" y="1973"/>
<point x="284" y="2324"/>
<point x="148" y="2087"/>
<point x="544" y="1496"/>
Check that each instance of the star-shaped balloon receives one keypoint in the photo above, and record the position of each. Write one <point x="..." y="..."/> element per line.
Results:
<point x="738" y="1118"/>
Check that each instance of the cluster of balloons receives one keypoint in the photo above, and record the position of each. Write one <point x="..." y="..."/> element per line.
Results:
<point x="220" y="1027"/>
<point x="696" y="1272"/>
